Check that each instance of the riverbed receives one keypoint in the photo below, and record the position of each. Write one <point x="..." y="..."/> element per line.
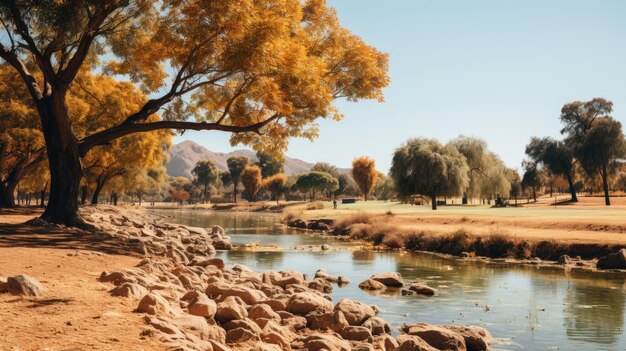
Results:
<point x="524" y="307"/>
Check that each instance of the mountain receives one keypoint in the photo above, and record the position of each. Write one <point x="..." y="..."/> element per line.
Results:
<point x="185" y="155"/>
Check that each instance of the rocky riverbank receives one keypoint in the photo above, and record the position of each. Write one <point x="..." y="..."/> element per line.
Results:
<point x="191" y="301"/>
<point x="497" y="248"/>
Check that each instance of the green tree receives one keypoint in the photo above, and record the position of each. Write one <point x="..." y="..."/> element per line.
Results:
<point x="343" y="182"/>
<point x="531" y="180"/>
<point x="261" y="70"/>
<point x="314" y="182"/>
<point x="270" y="164"/>
<point x="601" y="147"/>
<point x="556" y="156"/>
<point x="426" y="167"/>
<point x="236" y="164"/>
<point x="325" y="167"/>
<point x="206" y="174"/>
<point x="384" y="188"/>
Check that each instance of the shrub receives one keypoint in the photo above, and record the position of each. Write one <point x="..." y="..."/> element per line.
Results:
<point x="291" y="213"/>
<point x="354" y="218"/>
<point x="315" y="206"/>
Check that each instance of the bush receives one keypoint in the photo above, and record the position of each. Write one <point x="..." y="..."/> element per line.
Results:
<point x="315" y="206"/>
<point x="291" y="213"/>
<point x="355" y="218"/>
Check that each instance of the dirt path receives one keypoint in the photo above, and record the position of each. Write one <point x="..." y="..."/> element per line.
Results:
<point x="77" y="312"/>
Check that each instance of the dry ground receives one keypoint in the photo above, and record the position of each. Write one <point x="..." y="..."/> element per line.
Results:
<point x="77" y="312"/>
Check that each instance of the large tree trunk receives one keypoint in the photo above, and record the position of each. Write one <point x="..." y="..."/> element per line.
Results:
<point x="433" y="202"/>
<point x="64" y="160"/>
<point x="7" y="194"/>
<point x="572" y="189"/>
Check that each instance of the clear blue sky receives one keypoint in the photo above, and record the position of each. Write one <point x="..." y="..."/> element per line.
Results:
<point x="498" y="70"/>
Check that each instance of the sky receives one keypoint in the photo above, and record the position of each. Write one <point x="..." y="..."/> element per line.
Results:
<point x="497" y="70"/>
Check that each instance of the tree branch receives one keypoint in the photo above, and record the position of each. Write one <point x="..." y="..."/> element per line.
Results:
<point x="121" y="130"/>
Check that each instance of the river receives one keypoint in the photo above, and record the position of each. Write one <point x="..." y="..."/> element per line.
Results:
<point x="524" y="307"/>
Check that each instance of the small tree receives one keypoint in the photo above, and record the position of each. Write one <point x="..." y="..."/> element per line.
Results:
<point x="276" y="185"/>
<point x="384" y="188"/>
<point x="251" y="180"/>
<point x="206" y="174"/>
<point x="557" y="156"/>
<point x="364" y="174"/>
<point x="179" y="195"/>
<point x="236" y="164"/>
<point x="269" y="164"/>
<point x="426" y="167"/>
<point x="531" y="181"/>
<point x="315" y="181"/>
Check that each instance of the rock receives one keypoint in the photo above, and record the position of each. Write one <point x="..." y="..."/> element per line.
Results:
<point x="24" y="285"/>
<point x="389" y="279"/>
<point x="248" y="295"/>
<point x="131" y="290"/>
<point x="377" y="326"/>
<point x="565" y="259"/>
<point x="155" y="304"/>
<point x="476" y="338"/>
<point x="615" y="260"/>
<point x="319" y="342"/>
<point x="4" y="286"/>
<point x="231" y="308"/>
<point x="164" y="326"/>
<point x="334" y="321"/>
<point x="221" y="244"/>
<point x="318" y="225"/>
<point x="422" y="289"/>
<point x="239" y="335"/>
<point x="372" y="285"/>
<point x="217" y="230"/>
<point x="202" y="306"/>
<point x="306" y="302"/>
<point x="412" y="343"/>
<point x="217" y="262"/>
<point x="356" y="333"/>
<point x="263" y="311"/>
<point x="464" y="254"/>
<point x="276" y="305"/>
<point x="297" y="223"/>
<point x="355" y="312"/>
<point x="321" y="286"/>
<point x="438" y="337"/>
<point x="325" y="247"/>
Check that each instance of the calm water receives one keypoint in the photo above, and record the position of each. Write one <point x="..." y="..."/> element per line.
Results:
<point x="530" y="308"/>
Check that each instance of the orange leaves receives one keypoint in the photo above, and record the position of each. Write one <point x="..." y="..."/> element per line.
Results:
<point x="365" y="174"/>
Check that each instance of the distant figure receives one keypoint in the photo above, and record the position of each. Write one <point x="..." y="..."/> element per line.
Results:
<point x="335" y="204"/>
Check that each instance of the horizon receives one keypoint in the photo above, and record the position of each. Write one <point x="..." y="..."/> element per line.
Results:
<point x="499" y="72"/>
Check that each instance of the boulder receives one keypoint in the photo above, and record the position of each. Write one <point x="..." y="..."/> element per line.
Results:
<point x="217" y="262"/>
<point x="326" y="342"/>
<point x="476" y="338"/>
<point x="335" y="321"/>
<point x="248" y="295"/>
<point x="422" y="289"/>
<point x="231" y="308"/>
<point x="155" y="304"/>
<point x="438" y="337"/>
<point x="131" y="290"/>
<point x="318" y="225"/>
<point x="389" y="279"/>
<point x="306" y="302"/>
<point x="4" y="286"/>
<point x="297" y="223"/>
<point x="321" y="285"/>
<point x="412" y="343"/>
<point x="25" y="285"/>
<point x="356" y="333"/>
<point x="372" y="285"/>
<point x="263" y="311"/>
<point x="355" y="312"/>
<point x="615" y="260"/>
<point x="202" y="306"/>
<point x="377" y="326"/>
<point x="239" y="335"/>
<point x="565" y="259"/>
<point x="221" y="244"/>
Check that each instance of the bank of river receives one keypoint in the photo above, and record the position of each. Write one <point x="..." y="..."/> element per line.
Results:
<point x="524" y="307"/>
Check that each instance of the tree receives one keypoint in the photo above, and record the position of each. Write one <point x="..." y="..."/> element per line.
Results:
<point x="343" y="182"/>
<point x="384" y="188"/>
<point x="206" y="174"/>
<point x="531" y="180"/>
<point x="426" y="167"/>
<point x="179" y="195"/>
<point x="325" y="167"/>
<point x="601" y="147"/>
<point x="315" y="181"/>
<point x="251" y="180"/>
<point x="263" y="81"/>
<point x="270" y="164"/>
<point x="364" y="174"/>
<point x="236" y="164"/>
<point x="276" y="185"/>
<point x="556" y="156"/>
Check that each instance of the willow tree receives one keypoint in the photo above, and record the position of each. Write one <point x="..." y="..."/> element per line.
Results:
<point x="276" y="185"/>
<point x="426" y="167"/>
<point x="263" y="70"/>
<point x="364" y="174"/>
<point x="252" y="181"/>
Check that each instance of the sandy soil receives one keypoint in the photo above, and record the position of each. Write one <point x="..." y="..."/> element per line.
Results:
<point x="77" y="312"/>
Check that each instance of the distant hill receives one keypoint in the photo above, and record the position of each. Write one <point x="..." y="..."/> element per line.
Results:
<point x="185" y="155"/>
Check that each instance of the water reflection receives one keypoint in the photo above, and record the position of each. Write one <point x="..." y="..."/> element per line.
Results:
<point x="526" y="307"/>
